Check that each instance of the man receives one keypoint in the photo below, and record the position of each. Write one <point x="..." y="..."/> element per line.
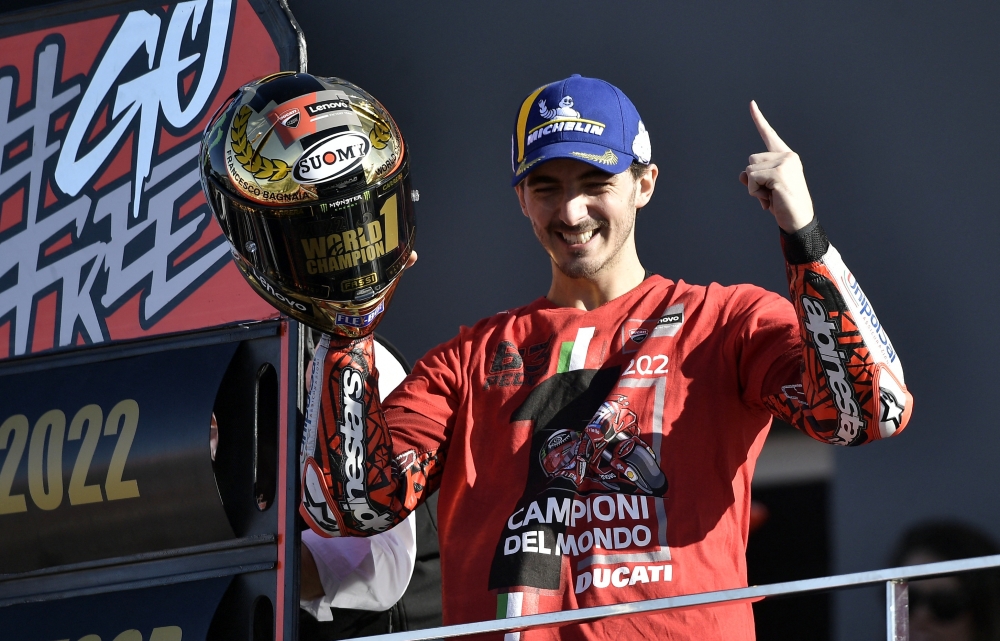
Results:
<point x="597" y="445"/>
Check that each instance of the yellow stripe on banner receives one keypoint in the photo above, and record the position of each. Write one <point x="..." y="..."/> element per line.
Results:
<point x="522" y="120"/>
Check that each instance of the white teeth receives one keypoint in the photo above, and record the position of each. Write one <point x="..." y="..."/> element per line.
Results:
<point x="578" y="239"/>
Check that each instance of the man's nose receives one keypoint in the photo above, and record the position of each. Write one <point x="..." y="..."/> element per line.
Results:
<point x="574" y="210"/>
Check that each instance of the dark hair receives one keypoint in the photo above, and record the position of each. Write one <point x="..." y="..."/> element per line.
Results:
<point x="637" y="169"/>
<point x="951" y="540"/>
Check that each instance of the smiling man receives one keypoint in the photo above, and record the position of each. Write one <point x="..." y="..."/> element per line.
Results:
<point x="597" y="445"/>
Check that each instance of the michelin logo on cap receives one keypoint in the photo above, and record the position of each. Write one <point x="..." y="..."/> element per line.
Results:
<point x="564" y="110"/>
<point x="563" y="118"/>
<point x="579" y="118"/>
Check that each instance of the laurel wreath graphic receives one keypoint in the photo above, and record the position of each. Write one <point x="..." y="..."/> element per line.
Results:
<point x="261" y="167"/>
<point x="379" y="135"/>
<point x="608" y="158"/>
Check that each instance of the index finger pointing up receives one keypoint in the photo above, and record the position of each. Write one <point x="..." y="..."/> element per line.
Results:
<point x="767" y="133"/>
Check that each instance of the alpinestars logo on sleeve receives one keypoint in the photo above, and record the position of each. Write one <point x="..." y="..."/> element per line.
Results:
<point x="352" y="428"/>
<point x="823" y="331"/>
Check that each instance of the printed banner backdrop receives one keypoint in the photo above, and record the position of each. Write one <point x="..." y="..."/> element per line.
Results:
<point x="104" y="232"/>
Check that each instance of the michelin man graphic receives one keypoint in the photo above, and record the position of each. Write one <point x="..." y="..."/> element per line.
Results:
<point x="564" y="110"/>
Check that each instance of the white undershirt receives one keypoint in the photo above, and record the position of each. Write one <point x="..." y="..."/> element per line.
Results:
<point x="362" y="573"/>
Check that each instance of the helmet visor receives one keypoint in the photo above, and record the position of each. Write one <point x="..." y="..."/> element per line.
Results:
<point x="345" y="251"/>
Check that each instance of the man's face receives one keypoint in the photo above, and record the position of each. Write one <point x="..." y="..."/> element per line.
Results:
<point x="584" y="217"/>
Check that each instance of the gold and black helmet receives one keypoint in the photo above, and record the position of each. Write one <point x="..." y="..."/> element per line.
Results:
<point x="309" y="180"/>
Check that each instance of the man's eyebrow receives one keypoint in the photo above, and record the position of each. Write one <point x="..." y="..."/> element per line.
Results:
<point x="540" y="178"/>
<point x="593" y="174"/>
<point x="599" y="174"/>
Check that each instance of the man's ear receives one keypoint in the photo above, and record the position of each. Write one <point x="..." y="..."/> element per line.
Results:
<point x="645" y="186"/>
<point x="519" y="188"/>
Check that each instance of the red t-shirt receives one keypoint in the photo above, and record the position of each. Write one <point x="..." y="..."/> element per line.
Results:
<point x="523" y="505"/>
<point x="587" y="458"/>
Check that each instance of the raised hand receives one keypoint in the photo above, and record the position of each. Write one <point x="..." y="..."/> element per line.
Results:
<point x="775" y="178"/>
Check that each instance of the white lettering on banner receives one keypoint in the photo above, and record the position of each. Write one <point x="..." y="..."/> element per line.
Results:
<point x="148" y="263"/>
<point x="145" y="95"/>
<point x="823" y="331"/>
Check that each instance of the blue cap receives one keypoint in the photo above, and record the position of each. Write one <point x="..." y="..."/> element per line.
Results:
<point x="582" y="119"/>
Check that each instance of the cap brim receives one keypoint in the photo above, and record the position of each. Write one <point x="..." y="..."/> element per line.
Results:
<point x="611" y="161"/>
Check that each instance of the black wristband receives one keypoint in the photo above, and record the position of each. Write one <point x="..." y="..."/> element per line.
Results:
<point x="807" y="245"/>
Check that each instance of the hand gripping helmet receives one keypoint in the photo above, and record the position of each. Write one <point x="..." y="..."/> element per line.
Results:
<point x="309" y="180"/>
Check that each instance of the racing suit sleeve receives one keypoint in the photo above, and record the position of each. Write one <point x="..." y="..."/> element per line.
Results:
<point x="359" y="475"/>
<point x="837" y="377"/>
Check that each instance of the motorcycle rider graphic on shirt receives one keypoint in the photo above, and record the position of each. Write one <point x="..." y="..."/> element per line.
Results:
<point x="607" y="455"/>
<point x="589" y="484"/>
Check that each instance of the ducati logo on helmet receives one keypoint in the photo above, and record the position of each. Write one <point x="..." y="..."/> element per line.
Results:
<point x="289" y="118"/>
<point x="331" y="158"/>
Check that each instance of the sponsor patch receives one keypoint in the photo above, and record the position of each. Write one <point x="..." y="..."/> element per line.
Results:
<point x="361" y="282"/>
<point x="364" y="320"/>
<point x="867" y="314"/>
<point x="311" y="114"/>
<point x="670" y="322"/>
<point x="636" y="331"/>
<point x="289" y="118"/>
<point x="638" y="335"/>
<point x="331" y="158"/>
<point x="279" y="296"/>
<point x="324" y="107"/>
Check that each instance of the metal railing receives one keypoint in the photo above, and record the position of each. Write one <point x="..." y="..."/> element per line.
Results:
<point x="895" y="580"/>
